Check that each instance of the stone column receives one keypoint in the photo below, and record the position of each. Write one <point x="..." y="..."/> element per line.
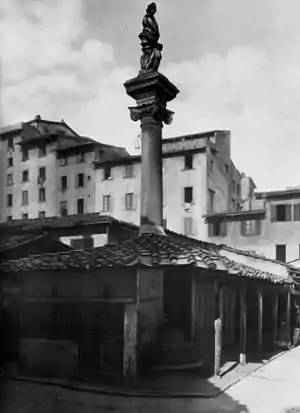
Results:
<point x="151" y="91"/>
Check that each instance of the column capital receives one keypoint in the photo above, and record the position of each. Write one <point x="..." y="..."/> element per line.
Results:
<point x="153" y="111"/>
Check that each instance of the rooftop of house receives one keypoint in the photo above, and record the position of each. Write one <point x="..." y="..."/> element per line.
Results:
<point x="17" y="240"/>
<point x="236" y="215"/>
<point x="279" y="194"/>
<point x="43" y="224"/>
<point x="146" y="250"/>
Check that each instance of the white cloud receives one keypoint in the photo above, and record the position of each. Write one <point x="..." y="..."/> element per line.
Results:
<point x="52" y="66"/>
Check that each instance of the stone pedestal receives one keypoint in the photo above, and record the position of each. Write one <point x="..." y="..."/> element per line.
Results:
<point x="151" y="91"/>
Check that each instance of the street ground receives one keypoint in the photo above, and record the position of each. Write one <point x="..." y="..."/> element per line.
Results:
<point x="274" y="388"/>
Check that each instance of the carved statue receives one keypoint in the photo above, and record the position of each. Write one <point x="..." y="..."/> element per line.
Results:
<point x="149" y="36"/>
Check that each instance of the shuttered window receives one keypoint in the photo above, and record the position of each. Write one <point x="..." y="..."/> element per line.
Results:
<point x="217" y="229"/>
<point x="188" y="226"/>
<point x="281" y="213"/>
<point x="250" y="228"/>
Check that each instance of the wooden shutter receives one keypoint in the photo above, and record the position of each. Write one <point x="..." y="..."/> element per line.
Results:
<point x="223" y="229"/>
<point x="210" y="229"/>
<point x="288" y="212"/>
<point x="243" y="228"/>
<point x="297" y="212"/>
<point x="273" y="210"/>
<point x="258" y="227"/>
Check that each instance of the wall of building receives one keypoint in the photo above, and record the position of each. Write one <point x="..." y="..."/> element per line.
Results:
<point x="67" y="322"/>
<point x="2" y="182"/>
<point x="271" y="234"/>
<point x="73" y="192"/>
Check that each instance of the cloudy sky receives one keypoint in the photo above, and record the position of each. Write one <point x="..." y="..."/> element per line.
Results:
<point x="236" y="63"/>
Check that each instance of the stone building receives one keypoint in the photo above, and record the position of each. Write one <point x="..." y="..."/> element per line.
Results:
<point x="198" y="177"/>
<point x="270" y="225"/>
<point x="47" y="169"/>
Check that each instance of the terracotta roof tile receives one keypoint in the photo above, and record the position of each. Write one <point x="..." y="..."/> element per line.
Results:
<point x="249" y="272"/>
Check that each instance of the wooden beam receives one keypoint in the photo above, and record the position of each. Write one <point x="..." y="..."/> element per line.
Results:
<point x="218" y="346"/>
<point x="288" y="316"/>
<point x="260" y="317"/>
<point x="243" y="328"/>
<point x="193" y="307"/>
<point x="275" y="317"/>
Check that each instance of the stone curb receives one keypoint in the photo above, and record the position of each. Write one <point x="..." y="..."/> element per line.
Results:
<point x="112" y="391"/>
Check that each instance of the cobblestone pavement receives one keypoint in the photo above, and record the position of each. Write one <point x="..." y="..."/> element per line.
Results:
<point x="274" y="388"/>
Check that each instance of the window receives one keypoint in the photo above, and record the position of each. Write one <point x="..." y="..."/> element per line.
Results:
<point x="217" y="229"/>
<point x="164" y="223"/>
<point x="25" y="154"/>
<point x="10" y="179"/>
<point x="42" y="194"/>
<point x="188" y="161"/>
<point x="281" y="213"/>
<point x="129" y="171"/>
<point x="80" y="206"/>
<point x="80" y="157"/>
<point x="211" y="200"/>
<point x="233" y="204"/>
<point x="188" y="226"/>
<point x="212" y="166"/>
<point x="9" y="200"/>
<point x="107" y="172"/>
<point x="281" y="253"/>
<point x="250" y="228"/>
<point x="25" y="198"/>
<point x="64" y="182"/>
<point x="63" y="161"/>
<point x="25" y="176"/>
<point x="42" y="172"/>
<point x="10" y="143"/>
<point x="42" y="214"/>
<point x="42" y="151"/>
<point x="238" y="189"/>
<point x="297" y="212"/>
<point x="63" y="208"/>
<point x="77" y="244"/>
<point x="226" y="169"/>
<point x="106" y="203"/>
<point x="10" y="161"/>
<point x="129" y="201"/>
<point x="24" y="216"/>
<point x="188" y="194"/>
<point x="80" y="180"/>
<point x="9" y="218"/>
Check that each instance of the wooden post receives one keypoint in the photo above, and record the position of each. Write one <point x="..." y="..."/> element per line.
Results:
<point x="193" y="307"/>
<point x="275" y="318"/>
<point x="243" y="327"/>
<point x="288" y="317"/>
<point x="260" y="317"/>
<point x="218" y="345"/>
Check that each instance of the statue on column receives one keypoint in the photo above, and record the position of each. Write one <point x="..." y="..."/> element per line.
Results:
<point x="149" y="36"/>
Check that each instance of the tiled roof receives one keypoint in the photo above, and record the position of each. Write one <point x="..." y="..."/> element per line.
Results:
<point x="41" y="224"/>
<point x="249" y="272"/>
<point x="10" y="242"/>
<point x="146" y="250"/>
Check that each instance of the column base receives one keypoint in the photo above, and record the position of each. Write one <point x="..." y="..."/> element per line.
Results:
<point x="243" y="361"/>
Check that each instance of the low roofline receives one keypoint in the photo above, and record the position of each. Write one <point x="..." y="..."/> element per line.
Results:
<point x="200" y="135"/>
<point x="277" y="194"/>
<point x="256" y="256"/>
<point x="232" y="215"/>
<point x="137" y="158"/>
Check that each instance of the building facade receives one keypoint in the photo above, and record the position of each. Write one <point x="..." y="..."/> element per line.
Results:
<point x="271" y="225"/>
<point x="48" y="169"/>
<point x="198" y="177"/>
